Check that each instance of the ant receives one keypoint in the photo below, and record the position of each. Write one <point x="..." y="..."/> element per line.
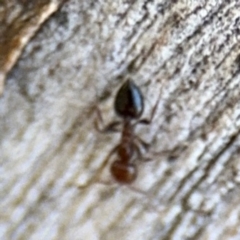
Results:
<point x="128" y="105"/>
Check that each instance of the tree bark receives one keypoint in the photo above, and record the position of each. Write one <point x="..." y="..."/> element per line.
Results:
<point x="53" y="159"/>
<point x="20" y="19"/>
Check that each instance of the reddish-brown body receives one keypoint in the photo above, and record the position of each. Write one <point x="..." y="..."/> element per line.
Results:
<point x="129" y="106"/>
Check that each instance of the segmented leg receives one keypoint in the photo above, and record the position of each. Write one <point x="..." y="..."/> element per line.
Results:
<point x="96" y="179"/>
<point x="149" y="120"/>
<point x="111" y="127"/>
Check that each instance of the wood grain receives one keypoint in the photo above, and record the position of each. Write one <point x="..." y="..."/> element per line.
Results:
<point x="20" y="20"/>
<point x="187" y="51"/>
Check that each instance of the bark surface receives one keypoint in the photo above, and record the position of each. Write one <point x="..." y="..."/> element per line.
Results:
<point x="187" y="51"/>
<point x="19" y="20"/>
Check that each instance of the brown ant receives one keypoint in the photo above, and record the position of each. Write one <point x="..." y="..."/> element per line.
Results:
<point x="128" y="105"/>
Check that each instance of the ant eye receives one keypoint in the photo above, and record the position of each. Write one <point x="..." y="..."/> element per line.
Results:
<point x="129" y="101"/>
<point x="123" y="173"/>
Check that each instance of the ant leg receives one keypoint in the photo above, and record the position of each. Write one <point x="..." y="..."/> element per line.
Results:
<point x="170" y="154"/>
<point x="150" y="156"/>
<point x="139" y="153"/>
<point x="144" y="144"/>
<point x="111" y="127"/>
<point x="152" y="204"/>
<point x="96" y="179"/>
<point x="148" y="121"/>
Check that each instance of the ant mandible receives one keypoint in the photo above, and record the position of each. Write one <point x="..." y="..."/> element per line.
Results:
<point x="128" y="105"/>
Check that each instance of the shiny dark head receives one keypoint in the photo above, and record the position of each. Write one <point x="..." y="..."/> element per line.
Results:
<point x="129" y="101"/>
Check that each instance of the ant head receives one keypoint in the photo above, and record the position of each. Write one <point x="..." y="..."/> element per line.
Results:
<point x="124" y="173"/>
<point x="129" y="101"/>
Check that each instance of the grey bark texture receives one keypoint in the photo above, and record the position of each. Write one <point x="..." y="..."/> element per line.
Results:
<point x="186" y="51"/>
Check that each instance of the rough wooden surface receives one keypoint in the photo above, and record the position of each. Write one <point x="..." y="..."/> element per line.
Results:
<point x="188" y="51"/>
<point x="19" y="21"/>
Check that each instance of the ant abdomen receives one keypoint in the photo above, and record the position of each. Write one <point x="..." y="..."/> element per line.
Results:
<point x="124" y="173"/>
